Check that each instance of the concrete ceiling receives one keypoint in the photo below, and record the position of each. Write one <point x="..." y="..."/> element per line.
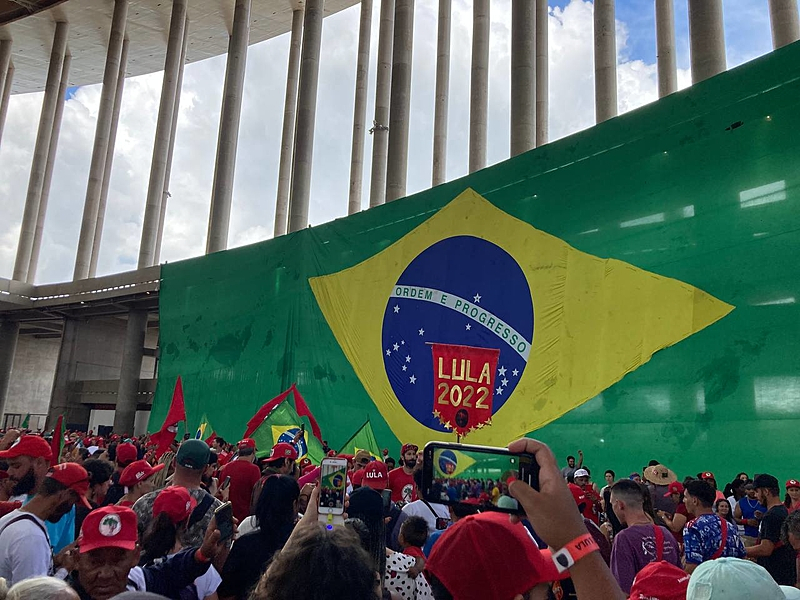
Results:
<point x="210" y="23"/>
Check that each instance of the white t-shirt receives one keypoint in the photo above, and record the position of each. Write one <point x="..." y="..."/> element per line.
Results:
<point x="24" y="548"/>
<point x="418" y="508"/>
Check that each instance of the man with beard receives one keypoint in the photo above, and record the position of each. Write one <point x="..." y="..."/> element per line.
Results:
<point x="24" y="543"/>
<point x="28" y="463"/>
<point x="401" y="479"/>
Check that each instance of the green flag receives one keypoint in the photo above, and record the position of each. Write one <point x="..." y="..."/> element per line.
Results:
<point x="26" y="422"/>
<point x="283" y="425"/>
<point x="363" y="439"/>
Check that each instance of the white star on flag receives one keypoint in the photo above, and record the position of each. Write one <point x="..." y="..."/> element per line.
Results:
<point x="412" y="379"/>
<point x="469" y="326"/>
<point x="422" y="332"/>
<point x="502" y="371"/>
<point x="499" y="391"/>
<point x="408" y="359"/>
<point x="504" y="382"/>
<point x="515" y="372"/>
<point x="402" y="342"/>
<point x="477" y="298"/>
<point x="396" y="308"/>
<point x="405" y="368"/>
<point x="396" y="347"/>
<point x="388" y="352"/>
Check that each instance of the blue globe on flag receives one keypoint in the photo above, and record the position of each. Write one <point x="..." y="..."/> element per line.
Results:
<point x="461" y="290"/>
<point x="288" y="437"/>
<point x="448" y="462"/>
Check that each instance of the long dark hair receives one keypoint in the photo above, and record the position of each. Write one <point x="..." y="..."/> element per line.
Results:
<point x="729" y="517"/>
<point x="366" y="506"/>
<point x="160" y="538"/>
<point x="276" y="507"/>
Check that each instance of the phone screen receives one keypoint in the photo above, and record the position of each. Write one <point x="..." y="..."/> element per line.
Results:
<point x="475" y="475"/>
<point x="224" y="518"/>
<point x="333" y="481"/>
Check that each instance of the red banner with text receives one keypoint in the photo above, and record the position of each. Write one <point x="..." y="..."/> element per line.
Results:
<point x="463" y="386"/>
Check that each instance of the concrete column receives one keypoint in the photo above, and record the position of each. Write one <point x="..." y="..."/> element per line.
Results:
<point x="665" y="48"/>
<point x="542" y="74"/>
<point x="112" y="141"/>
<point x="441" y="105"/>
<point x="706" y="39"/>
<point x="5" y="68"/>
<point x="230" y="115"/>
<point x="102" y="137"/>
<point x="605" y="61"/>
<point x="479" y="86"/>
<point x="48" y="169"/>
<point x="399" y="111"/>
<point x="523" y="76"/>
<point x="5" y="97"/>
<point x="785" y="22"/>
<point x="306" y="116"/>
<point x="66" y="367"/>
<point x="383" y="90"/>
<point x="289" y="114"/>
<point x="173" y="132"/>
<point x="360" y="108"/>
<point x="130" y="372"/>
<point x="40" y="150"/>
<point x="158" y="169"/>
<point x="9" y="333"/>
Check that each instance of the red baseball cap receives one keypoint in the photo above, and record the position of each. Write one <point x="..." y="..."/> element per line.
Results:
<point x="792" y="483"/>
<point x="137" y="472"/>
<point x="282" y="450"/>
<point x="660" y="581"/>
<point x="708" y="475"/>
<point x="109" y="527"/>
<point x="407" y="447"/>
<point x="73" y="477"/>
<point x="676" y="487"/>
<point x="126" y="454"/>
<point x="29" y="445"/>
<point x="176" y="502"/>
<point x="376" y="475"/>
<point x="247" y="444"/>
<point x="485" y="551"/>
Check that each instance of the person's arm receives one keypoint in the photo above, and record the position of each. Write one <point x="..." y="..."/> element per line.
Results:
<point x="551" y="510"/>
<point x="580" y="458"/>
<point x="770" y="536"/>
<point x="692" y="549"/>
<point x="764" y="548"/>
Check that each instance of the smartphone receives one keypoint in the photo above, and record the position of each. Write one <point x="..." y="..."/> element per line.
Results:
<point x="224" y="518"/>
<point x="225" y="483"/>
<point x="463" y="474"/>
<point x="333" y="483"/>
<point x="386" y="495"/>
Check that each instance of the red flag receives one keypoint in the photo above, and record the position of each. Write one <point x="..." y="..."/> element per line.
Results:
<point x="177" y="413"/>
<point x="303" y="411"/>
<point x="463" y="386"/>
<point x="57" y="443"/>
<point x="211" y="438"/>
<point x="262" y="413"/>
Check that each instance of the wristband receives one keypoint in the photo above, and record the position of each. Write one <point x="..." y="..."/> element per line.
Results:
<point x="200" y="557"/>
<point x="574" y="551"/>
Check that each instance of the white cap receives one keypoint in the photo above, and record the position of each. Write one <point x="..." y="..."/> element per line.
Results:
<point x="791" y="593"/>
<point x="581" y="473"/>
<point x="732" y="579"/>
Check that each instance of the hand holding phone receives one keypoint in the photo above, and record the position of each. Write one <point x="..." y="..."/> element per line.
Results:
<point x="224" y="518"/>
<point x="225" y="483"/>
<point x="332" y="487"/>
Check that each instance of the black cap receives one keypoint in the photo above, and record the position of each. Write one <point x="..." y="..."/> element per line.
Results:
<point x="765" y="481"/>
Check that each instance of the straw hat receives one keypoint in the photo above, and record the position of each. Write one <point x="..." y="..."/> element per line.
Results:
<point x="659" y="475"/>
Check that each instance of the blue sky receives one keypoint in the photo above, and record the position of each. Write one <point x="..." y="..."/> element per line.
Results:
<point x="747" y="34"/>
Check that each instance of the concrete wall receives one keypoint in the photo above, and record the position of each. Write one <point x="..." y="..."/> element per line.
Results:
<point x="32" y="375"/>
<point x="106" y="417"/>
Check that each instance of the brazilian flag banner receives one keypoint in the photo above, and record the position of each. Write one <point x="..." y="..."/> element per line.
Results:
<point x="283" y="424"/>
<point x="567" y="324"/>
<point x="601" y="268"/>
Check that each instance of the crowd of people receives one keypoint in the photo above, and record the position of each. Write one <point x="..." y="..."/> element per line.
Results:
<point x="107" y="518"/>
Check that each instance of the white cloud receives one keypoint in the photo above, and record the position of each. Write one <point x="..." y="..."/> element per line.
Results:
<point x="571" y="109"/>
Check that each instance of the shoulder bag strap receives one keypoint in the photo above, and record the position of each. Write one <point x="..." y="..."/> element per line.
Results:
<point x="659" y="543"/>
<point x="27" y="518"/>
<point x="723" y="525"/>
<point x="430" y="508"/>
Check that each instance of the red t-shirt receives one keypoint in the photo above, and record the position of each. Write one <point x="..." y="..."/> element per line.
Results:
<point x="591" y="510"/>
<point x="414" y="551"/>
<point x="244" y="476"/>
<point x="402" y="485"/>
<point x="681" y="510"/>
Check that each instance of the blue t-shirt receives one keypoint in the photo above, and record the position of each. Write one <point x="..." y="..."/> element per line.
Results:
<point x="426" y="549"/>
<point x="749" y="508"/>
<point x="702" y="538"/>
